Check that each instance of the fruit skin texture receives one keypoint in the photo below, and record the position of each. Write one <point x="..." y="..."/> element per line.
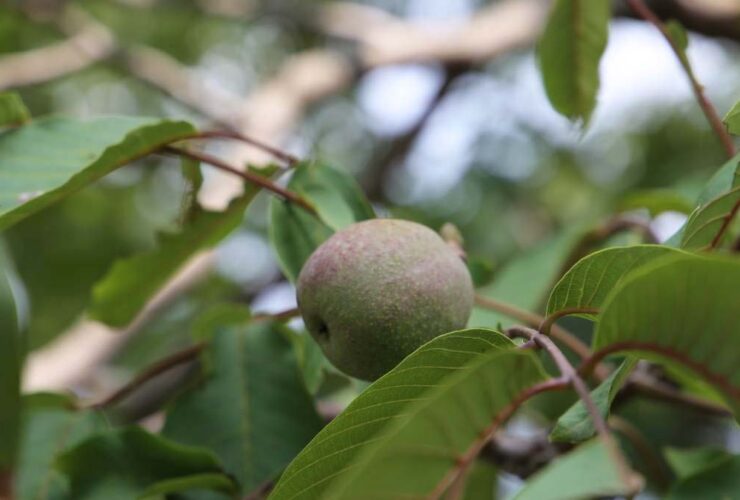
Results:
<point x="376" y="290"/>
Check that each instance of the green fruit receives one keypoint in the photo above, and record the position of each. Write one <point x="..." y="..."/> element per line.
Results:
<point x="376" y="290"/>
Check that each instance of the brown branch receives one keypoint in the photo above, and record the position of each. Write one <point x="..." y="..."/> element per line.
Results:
<point x="725" y="225"/>
<point x="644" y="384"/>
<point x="184" y="356"/>
<point x="226" y="134"/>
<point x="636" y="345"/>
<point x="718" y="19"/>
<point x="550" y="320"/>
<point x="464" y="460"/>
<point x="571" y="376"/>
<point x="534" y="320"/>
<point x="641" y="8"/>
<point x="158" y="368"/>
<point x="244" y="174"/>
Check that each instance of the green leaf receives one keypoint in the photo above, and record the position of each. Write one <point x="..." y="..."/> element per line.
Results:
<point x="732" y="119"/>
<point x="575" y="425"/>
<point x="726" y="178"/>
<point x="680" y="310"/>
<point x="124" y="464"/>
<point x="422" y="451"/>
<point x="11" y="356"/>
<point x="526" y="280"/>
<point x="252" y="410"/>
<point x="133" y="281"/>
<point x="687" y="462"/>
<point x="569" y="53"/>
<point x="370" y="416"/>
<point x="585" y="472"/>
<point x="50" y="425"/>
<point x="657" y="201"/>
<point x="706" y="221"/>
<point x="295" y="233"/>
<point x="720" y="481"/>
<point x="588" y="282"/>
<point x="74" y="154"/>
<point x="12" y="110"/>
<point x="338" y="198"/>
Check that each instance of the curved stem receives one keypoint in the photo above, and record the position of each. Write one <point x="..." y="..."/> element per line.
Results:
<point x="464" y="461"/>
<point x="570" y="374"/>
<point x="713" y="118"/>
<point x="164" y="365"/>
<point x="181" y="357"/>
<point x="534" y="320"/>
<point x="725" y="225"/>
<point x="636" y="345"/>
<point x="550" y="320"/>
<point x="228" y="134"/>
<point x="244" y="174"/>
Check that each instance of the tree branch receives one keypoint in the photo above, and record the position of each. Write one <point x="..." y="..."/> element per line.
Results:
<point x="570" y="375"/>
<point x="710" y="112"/>
<point x="534" y="320"/>
<point x="244" y="174"/>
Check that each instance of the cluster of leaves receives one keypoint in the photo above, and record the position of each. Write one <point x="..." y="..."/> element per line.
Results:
<point x="251" y="418"/>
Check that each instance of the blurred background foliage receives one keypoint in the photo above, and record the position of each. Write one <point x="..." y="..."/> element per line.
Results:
<point x="475" y="145"/>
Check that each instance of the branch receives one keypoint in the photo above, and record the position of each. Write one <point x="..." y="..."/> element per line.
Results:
<point x="636" y="345"/>
<point x="550" y="320"/>
<point x="244" y="174"/>
<point x="719" y="19"/>
<point x="384" y="39"/>
<point x="178" y="358"/>
<point x="464" y="461"/>
<point x="725" y="225"/>
<point x="570" y="375"/>
<point x="534" y="320"/>
<point x="713" y="118"/>
<point x="89" y="44"/>
<point x="158" y="368"/>
<point x="225" y="134"/>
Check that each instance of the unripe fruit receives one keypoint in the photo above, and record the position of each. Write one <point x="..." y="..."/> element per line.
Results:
<point x="376" y="290"/>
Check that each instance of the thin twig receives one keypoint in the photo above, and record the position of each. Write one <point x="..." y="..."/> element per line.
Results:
<point x="151" y="372"/>
<point x="464" y="460"/>
<point x="288" y="158"/>
<point x="712" y="117"/>
<point x="534" y="320"/>
<point x="649" y="386"/>
<point x="244" y="174"/>
<point x="635" y="345"/>
<point x="569" y="373"/>
<point x="550" y="320"/>
<point x="725" y="225"/>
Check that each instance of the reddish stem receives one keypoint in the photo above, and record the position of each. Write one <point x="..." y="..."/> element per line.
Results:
<point x="713" y="118"/>
<point x="725" y="225"/>
<point x="227" y="134"/>
<point x="244" y="174"/>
